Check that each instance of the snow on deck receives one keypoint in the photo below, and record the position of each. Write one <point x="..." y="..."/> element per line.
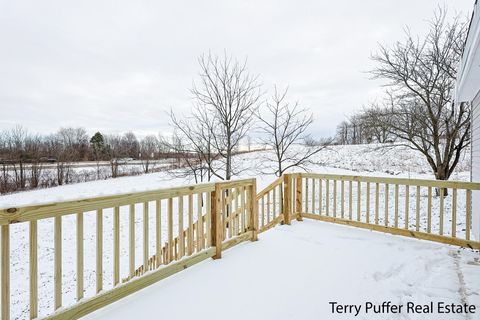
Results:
<point x="293" y="272"/>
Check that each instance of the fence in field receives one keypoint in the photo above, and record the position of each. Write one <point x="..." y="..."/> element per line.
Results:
<point x="182" y="226"/>
<point x="201" y="221"/>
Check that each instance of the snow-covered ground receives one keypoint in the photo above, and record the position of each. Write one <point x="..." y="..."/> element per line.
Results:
<point x="364" y="160"/>
<point x="293" y="272"/>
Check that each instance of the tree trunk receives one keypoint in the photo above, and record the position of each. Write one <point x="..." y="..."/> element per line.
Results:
<point x="441" y="174"/>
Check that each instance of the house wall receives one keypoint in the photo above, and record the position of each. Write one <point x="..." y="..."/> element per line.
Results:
<point x="476" y="164"/>
<point x="468" y="90"/>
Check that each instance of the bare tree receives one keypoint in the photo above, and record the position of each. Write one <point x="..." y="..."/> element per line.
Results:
<point x="228" y="93"/>
<point x="67" y="145"/>
<point x="18" y="157"/>
<point x="190" y="162"/>
<point x="114" y="151"/>
<point x="377" y="131"/>
<point x="195" y="135"/>
<point x="285" y="126"/>
<point x="130" y="145"/>
<point x="421" y="74"/>
<point x="34" y="149"/>
<point x="148" y="148"/>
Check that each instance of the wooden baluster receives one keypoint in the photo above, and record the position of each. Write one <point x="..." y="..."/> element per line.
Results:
<point x="243" y="209"/>
<point x="5" y="271"/>
<point x="313" y="196"/>
<point x="132" y="240"/>
<point x="335" y="198"/>
<point x="236" y="211"/>
<point x="33" y="269"/>
<point x="201" y="232"/>
<point x="274" y="199"/>
<point x="268" y="207"/>
<point x="263" y="210"/>
<point x="234" y="214"/>
<point x="195" y="236"/>
<point x="429" y="211"/>
<point x="223" y="215"/>
<point x="442" y="195"/>
<point x="359" y="200"/>
<point x="287" y="198"/>
<point x="368" y="203"/>
<point x="80" y="290"/>
<point x="350" y="203"/>
<point x="240" y="210"/>
<point x="231" y="206"/>
<point x="99" y="253"/>
<point x="252" y="210"/>
<point x="116" y="246"/>
<point x="176" y="247"/>
<point x="216" y="223"/>
<point x="208" y="217"/>
<point x="320" y="196"/>
<point x="58" y="262"/>
<point x="190" y="225"/>
<point x="454" y="213"/>
<point x="145" y="234"/>
<point x="327" y="197"/>
<point x="386" y="204"/>
<point x="306" y="195"/>
<point x="298" y="198"/>
<point x="342" y="192"/>
<point x="170" y="229"/>
<point x="407" y="205"/>
<point x="377" y="201"/>
<point x="396" y="205"/>
<point x="468" y="210"/>
<point x="417" y="220"/>
<point x="158" y="232"/>
<point x="181" y="239"/>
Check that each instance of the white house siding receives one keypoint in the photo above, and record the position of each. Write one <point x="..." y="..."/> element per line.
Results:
<point x="476" y="163"/>
<point x="468" y="90"/>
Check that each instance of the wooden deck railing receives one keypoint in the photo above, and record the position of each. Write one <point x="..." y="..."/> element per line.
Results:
<point x="141" y="238"/>
<point x="408" y="207"/>
<point x="189" y="224"/>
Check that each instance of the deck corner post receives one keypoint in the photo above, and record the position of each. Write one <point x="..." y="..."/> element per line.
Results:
<point x="252" y="195"/>
<point x="287" y="198"/>
<point x="216" y="223"/>
<point x="298" y="197"/>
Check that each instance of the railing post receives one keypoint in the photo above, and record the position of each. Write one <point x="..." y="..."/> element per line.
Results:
<point x="252" y="194"/>
<point x="5" y="271"/>
<point x="298" y="197"/>
<point x="216" y="223"/>
<point x="287" y="198"/>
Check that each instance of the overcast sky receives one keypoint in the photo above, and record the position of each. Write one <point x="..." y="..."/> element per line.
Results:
<point x="117" y="66"/>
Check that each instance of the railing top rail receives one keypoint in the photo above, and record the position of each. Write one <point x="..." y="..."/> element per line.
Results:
<point x="267" y="189"/>
<point x="26" y="213"/>
<point x="400" y="181"/>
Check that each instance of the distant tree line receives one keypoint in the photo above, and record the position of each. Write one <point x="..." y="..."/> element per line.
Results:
<point x="364" y="128"/>
<point x="29" y="161"/>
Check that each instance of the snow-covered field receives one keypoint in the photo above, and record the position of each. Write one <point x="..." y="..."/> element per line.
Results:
<point x="293" y="272"/>
<point x="364" y="160"/>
